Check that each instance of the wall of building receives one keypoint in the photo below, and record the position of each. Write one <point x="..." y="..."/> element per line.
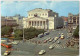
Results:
<point x="25" y="24"/>
<point x="74" y="19"/>
<point x="8" y="21"/>
<point x="53" y="21"/>
<point x="60" y="22"/>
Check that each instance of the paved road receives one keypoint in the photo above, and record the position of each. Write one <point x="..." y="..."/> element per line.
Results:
<point x="31" y="49"/>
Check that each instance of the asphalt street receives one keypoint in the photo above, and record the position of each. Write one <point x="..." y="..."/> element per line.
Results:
<point x="32" y="49"/>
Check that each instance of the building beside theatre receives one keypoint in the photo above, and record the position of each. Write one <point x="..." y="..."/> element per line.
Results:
<point x="19" y="20"/>
<point x="8" y="21"/>
<point x="74" y="20"/>
<point x="42" y="19"/>
<point x="65" y="20"/>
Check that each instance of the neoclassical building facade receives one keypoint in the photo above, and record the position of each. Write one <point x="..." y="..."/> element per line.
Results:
<point x="41" y="19"/>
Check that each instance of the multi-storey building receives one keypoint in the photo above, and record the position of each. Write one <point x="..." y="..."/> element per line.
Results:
<point x="74" y="19"/>
<point x="41" y="19"/>
<point x="65" y="20"/>
<point x="19" y="20"/>
<point x="8" y="21"/>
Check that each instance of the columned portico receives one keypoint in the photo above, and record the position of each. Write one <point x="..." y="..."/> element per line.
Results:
<point x="37" y="24"/>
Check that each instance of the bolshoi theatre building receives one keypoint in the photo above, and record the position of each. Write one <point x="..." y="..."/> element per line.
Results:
<point x="41" y="19"/>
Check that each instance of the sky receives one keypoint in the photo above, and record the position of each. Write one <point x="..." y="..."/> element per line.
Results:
<point x="10" y="8"/>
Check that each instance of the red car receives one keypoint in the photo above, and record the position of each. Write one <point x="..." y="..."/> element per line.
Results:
<point x="45" y="41"/>
<point x="6" y="45"/>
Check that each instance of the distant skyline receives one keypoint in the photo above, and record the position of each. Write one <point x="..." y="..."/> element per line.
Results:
<point x="11" y="8"/>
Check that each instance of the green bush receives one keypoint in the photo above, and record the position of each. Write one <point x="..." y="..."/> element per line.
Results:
<point x="29" y="33"/>
<point x="76" y="32"/>
<point x="18" y="34"/>
<point x="6" y="30"/>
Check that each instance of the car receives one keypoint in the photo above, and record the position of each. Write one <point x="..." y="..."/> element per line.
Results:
<point x="62" y="37"/>
<point x="51" y="39"/>
<point x="42" y="52"/>
<point x="15" y="42"/>
<point x="45" y="41"/>
<point x="40" y="35"/>
<point x="7" y="53"/>
<point x="58" y="42"/>
<point x="48" y="39"/>
<point x="56" y="38"/>
<point x="51" y="47"/>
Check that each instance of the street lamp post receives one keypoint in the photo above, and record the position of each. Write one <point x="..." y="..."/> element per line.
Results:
<point x="23" y="34"/>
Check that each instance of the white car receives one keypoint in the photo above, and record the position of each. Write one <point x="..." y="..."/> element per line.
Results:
<point x="51" y="47"/>
<point x="62" y="36"/>
<point x="42" y="52"/>
<point x="7" y="53"/>
<point x="58" y="42"/>
<point x="15" y="42"/>
<point x="56" y="38"/>
<point x="48" y="38"/>
<point x="51" y="39"/>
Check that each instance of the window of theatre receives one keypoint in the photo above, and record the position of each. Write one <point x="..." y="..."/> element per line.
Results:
<point x="29" y="14"/>
<point x="29" y="22"/>
<point x="45" y="14"/>
<point x="39" y="14"/>
<point x="43" y="22"/>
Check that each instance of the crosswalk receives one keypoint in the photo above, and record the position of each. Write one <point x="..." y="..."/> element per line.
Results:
<point x="58" y="46"/>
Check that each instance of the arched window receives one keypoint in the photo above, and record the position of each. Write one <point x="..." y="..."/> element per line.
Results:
<point x="29" y="14"/>
<point x="43" y="14"/>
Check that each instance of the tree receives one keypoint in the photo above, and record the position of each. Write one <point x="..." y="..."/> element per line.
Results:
<point x="6" y="30"/>
<point x="32" y="32"/>
<point x="76" y="32"/>
<point x="18" y="34"/>
<point x="29" y="33"/>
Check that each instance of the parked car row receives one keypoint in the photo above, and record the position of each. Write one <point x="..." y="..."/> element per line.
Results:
<point x="50" y="40"/>
<point x="45" y="41"/>
<point x="41" y="35"/>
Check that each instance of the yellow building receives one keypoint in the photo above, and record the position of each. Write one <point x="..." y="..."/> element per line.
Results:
<point x="41" y="19"/>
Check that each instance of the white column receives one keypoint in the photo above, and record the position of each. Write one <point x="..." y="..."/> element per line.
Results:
<point x="34" y="23"/>
<point x="31" y="23"/>
<point x="27" y="24"/>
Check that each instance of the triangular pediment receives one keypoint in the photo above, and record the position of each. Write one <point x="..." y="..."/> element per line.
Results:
<point x="36" y="18"/>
